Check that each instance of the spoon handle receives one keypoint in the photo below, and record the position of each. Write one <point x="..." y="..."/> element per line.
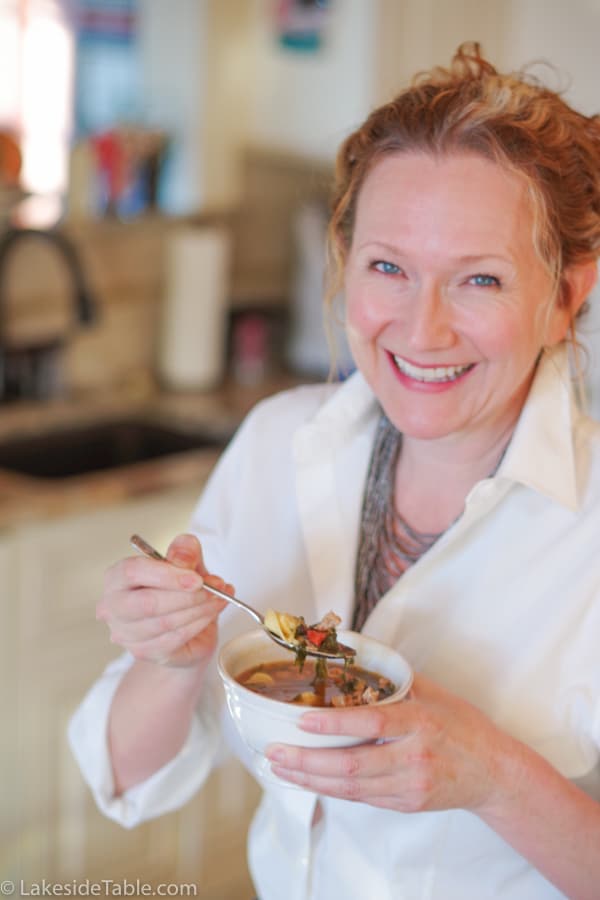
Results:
<point x="147" y="549"/>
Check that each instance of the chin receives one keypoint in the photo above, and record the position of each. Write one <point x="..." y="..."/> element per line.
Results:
<point x="418" y="429"/>
<point x="424" y="432"/>
<point x="415" y="424"/>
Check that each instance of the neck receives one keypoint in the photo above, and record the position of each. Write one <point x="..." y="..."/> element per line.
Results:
<point x="468" y="462"/>
<point x="433" y="478"/>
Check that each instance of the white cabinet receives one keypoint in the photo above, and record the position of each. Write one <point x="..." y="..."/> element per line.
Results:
<point x="9" y="802"/>
<point x="52" y="649"/>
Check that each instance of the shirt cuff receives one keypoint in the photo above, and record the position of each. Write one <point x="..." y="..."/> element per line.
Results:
<point x="168" y="788"/>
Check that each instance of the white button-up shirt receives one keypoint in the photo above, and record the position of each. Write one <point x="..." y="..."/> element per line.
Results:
<point x="504" y="610"/>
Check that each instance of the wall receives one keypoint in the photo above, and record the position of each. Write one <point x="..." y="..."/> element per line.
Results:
<point x="258" y="94"/>
<point x="229" y="65"/>
<point x="565" y="34"/>
<point x="172" y="52"/>
<point x="307" y="102"/>
<point x="218" y="64"/>
<point x="416" y="34"/>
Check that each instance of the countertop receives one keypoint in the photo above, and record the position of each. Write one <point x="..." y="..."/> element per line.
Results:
<point x="25" y="499"/>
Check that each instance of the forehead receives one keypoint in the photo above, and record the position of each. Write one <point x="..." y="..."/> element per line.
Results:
<point x="462" y="202"/>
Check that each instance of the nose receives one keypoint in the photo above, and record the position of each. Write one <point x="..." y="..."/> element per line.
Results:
<point x="430" y="320"/>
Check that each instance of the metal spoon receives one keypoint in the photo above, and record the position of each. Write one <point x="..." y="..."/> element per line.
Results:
<point x="147" y="549"/>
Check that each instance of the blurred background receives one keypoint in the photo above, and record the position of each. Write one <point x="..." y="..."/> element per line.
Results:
<point x="165" y="168"/>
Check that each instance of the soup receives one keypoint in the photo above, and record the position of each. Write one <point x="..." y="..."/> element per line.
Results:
<point x="321" y="636"/>
<point x="348" y="685"/>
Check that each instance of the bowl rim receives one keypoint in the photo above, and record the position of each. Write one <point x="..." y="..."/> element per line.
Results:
<point x="400" y="693"/>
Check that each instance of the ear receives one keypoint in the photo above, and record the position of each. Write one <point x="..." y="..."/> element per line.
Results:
<point x="577" y="283"/>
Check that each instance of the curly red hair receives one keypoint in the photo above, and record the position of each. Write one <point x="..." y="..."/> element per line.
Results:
<point x="510" y="118"/>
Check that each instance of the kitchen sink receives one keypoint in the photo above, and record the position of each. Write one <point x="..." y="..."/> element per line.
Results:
<point x="77" y="450"/>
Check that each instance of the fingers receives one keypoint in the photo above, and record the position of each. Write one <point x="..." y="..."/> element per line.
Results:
<point x="144" y="603"/>
<point x="161" y="649"/>
<point x="388" y="720"/>
<point x="363" y="761"/>
<point x="386" y="790"/>
<point x="143" y="629"/>
<point x="431" y="751"/>
<point x="383" y="775"/>
<point x="215" y="581"/>
<point x="370" y="770"/>
<point x="141" y="613"/>
<point x="185" y="551"/>
<point x="137" y="571"/>
<point x="159" y="610"/>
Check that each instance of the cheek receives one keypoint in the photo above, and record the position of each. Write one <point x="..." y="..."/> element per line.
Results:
<point x="364" y="319"/>
<point x="505" y="338"/>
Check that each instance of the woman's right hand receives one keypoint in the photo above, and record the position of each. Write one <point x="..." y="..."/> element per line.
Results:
<point x="159" y="612"/>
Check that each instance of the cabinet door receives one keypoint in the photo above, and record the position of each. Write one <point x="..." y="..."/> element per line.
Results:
<point x="61" y="650"/>
<point x="9" y="761"/>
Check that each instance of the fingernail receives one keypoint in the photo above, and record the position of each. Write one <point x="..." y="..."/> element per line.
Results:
<point x="275" y="754"/>
<point x="183" y="558"/>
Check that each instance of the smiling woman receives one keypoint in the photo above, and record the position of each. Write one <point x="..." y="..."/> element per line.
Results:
<point x="448" y="328"/>
<point x="444" y="500"/>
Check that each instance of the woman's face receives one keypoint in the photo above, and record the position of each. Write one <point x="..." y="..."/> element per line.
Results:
<point x="448" y="305"/>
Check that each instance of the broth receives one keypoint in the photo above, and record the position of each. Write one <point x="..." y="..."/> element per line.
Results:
<point x="349" y="685"/>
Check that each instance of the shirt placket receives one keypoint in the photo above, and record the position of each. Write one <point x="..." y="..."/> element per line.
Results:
<point x="385" y="620"/>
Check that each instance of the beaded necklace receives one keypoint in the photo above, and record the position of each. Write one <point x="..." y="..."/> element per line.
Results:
<point x="388" y="545"/>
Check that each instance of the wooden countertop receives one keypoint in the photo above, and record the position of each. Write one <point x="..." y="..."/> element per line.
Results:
<point x="25" y="499"/>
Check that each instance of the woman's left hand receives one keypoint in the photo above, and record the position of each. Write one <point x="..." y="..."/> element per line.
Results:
<point x="431" y="751"/>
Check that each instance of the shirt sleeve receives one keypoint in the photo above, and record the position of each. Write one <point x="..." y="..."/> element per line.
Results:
<point x="225" y="515"/>
<point x="169" y="787"/>
<point x="175" y="783"/>
<point x="596" y="724"/>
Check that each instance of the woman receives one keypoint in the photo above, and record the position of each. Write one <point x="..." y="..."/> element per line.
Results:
<point x="444" y="499"/>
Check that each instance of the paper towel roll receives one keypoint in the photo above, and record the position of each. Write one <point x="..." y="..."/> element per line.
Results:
<point x="192" y="347"/>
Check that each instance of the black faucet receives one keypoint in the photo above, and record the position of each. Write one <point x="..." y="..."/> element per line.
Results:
<point x="24" y="370"/>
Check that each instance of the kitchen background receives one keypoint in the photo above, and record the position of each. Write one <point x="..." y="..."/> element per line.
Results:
<point x="164" y="175"/>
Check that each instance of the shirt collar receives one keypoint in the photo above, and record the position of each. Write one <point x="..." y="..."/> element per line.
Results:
<point x="347" y="411"/>
<point x="541" y="453"/>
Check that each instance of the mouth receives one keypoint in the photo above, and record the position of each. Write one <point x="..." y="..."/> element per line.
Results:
<point x="430" y="374"/>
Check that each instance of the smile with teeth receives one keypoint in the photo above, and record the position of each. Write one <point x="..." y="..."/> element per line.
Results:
<point x="430" y="373"/>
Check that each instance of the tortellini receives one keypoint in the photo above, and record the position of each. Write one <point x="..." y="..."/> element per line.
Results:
<point x="283" y="624"/>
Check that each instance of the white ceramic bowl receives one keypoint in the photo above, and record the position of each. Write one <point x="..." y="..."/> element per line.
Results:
<point x="261" y="720"/>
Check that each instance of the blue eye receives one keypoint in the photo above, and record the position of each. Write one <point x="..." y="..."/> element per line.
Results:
<point x="387" y="268"/>
<point x="485" y="281"/>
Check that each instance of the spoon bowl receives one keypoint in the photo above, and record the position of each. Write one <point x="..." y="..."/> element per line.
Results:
<point x="142" y="546"/>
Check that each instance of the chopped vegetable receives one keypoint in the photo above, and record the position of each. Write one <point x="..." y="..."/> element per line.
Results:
<point x="320" y="636"/>
<point x="316" y="637"/>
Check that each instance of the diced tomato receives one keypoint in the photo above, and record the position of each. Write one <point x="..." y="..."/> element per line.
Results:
<point x="316" y="637"/>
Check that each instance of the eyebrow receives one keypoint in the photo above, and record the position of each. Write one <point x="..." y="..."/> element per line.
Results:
<point x="467" y="259"/>
<point x="478" y="257"/>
